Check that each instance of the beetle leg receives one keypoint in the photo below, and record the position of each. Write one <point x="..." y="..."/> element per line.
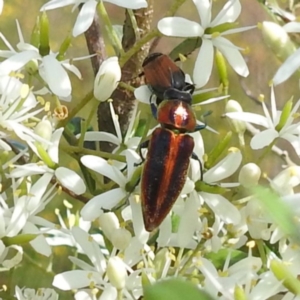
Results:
<point x="189" y="87"/>
<point x="199" y="127"/>
<point x="194" y="156"/>
<point x="142" y="145"/>
<point x="153" y="107"/>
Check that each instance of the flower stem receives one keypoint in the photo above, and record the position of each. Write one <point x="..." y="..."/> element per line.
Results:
<point x="76" y="109"/>
<point x="152" y="34"/>
<point x="88" y="122"/>
<point x="261" y="250"/>
<point x="109" y="28"/>
<point x="190" y="259"/>
<point x="75" y="149"/>
<point x="267" y="150"/>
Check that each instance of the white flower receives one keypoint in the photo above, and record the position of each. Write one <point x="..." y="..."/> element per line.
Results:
<point x="1" y="6"/>
<point x="288" y="131"/>
<point x="111" y="198"/>
<point x="241" y="276"/>
<point x="130" y="141"/>
<point x="22" y="216"/>
<point x="17" y="103"/>
<point x="88" y="9"/>
<point x="181" y="27"/>
<point x="47" y="65"/>
<point x="63" y="236"/>
<point x="292" y="64"/>
<point x="285" y="182"/>
<point x="66" y="177"/>
<point x="10" y="256"/>
<point x="107" y="78"/>
<point x="223" y="208"/>
<point x="92" y="274"/>
<point x="39" y="294"/>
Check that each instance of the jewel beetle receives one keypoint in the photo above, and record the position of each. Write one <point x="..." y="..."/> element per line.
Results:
<point x="168" y="158"/>
<point x="165" y="78"/>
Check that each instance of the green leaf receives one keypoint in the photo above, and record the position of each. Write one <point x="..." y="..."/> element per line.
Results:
<point x="174" y="289"/>
<point x="186" y="47"/>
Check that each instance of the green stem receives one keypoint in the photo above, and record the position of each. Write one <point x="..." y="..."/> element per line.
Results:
<point x="189" y="260"/>
<point x="37" y="265"/>
<point x="109" y="28"/>
<point x="74" y="149"/>
<point x="138" y="45"/>
<point x="261" y="250"/>
<point x="152" y="34"/>
<point x="126" y="86"/>
<point x="266" y="151"/>
<point x="87" y="123"/>
<point x="76" y="109"/>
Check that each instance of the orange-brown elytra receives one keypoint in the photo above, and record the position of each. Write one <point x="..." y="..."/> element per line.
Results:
<point x="168" y="158"/>
<point x="165" y="78"/>
<point x="164" y="174"/>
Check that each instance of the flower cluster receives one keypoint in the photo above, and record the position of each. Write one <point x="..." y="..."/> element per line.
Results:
<point x="226" y="213"/>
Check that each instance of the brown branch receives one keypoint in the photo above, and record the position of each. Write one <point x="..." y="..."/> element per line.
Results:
<point x="123" y="99"/>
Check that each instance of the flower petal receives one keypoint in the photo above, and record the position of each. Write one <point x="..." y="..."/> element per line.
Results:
<point x="130" y="4"/>
<point x="17" y="61"/>
<point x="263" y="139"/>
<point x="181" y="27"/>
<point x="59" y="84"/>
<point x="293" y="140"/>
<point x="204" y="11"/>
<point x="204" y="63"/>
<point x="97" y="136"/>
<point x="232" y="54"/>
<point x="85" y="17"/>
<point x="225" y="168"/>
<point x="143" y="94"/>
<point x="75" y="279"/>
<point x="249" y="117"/>
<point x="71" y="180"/>
<point x="107" y="200"/>
<point x="53" y="148"/>
<point x="188" y="221"/>
<point x="57" y="4"/>
<point x="101" y="166"/>
<point x="222" y="208"/>
<point x="289" y="67"/>
<point x="229" y="13"/>
<point x="292" y="27"/>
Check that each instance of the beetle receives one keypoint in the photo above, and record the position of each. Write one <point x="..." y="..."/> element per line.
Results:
<point x="168" y="158"/>
<point x="165" y="78"/>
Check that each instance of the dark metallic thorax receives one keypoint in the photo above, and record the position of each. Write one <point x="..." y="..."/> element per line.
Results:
<point x="176" y="114"/>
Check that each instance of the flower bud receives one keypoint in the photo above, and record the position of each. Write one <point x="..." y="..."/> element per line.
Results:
<point x="44" y="130"/>
<point x="239" y="293"/>
<point x="107" y="78"/>
<point x="109" y="223"/>
<point x="44" y="47"/>
<point x="236" y="125"/>
<point x="283" y="274"/>
<point x="116" y="272"/>
<point x="249" y="175"/>
<point x="277" y="39"/>
<point x="120" y="238"/>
